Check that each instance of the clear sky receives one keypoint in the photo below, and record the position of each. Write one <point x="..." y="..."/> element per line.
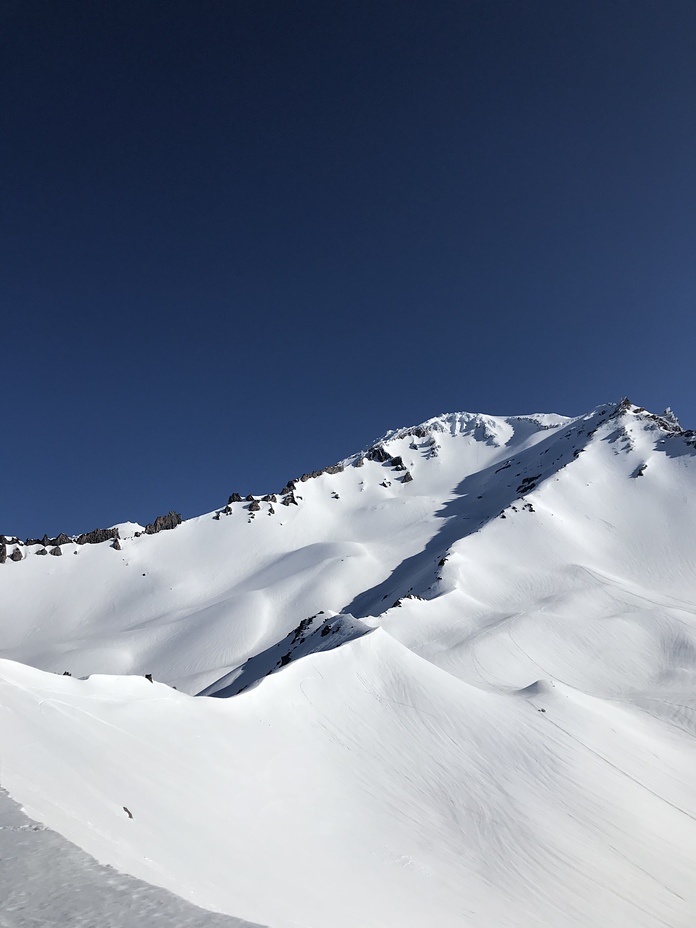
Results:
<point x="243" y="238"/>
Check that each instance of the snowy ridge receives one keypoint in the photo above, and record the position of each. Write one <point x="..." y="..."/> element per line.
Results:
<point x="456" y="671"/>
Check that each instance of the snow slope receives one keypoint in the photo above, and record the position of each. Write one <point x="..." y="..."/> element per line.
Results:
<point x="46" y="882"/>
<point x="464" y="699"/>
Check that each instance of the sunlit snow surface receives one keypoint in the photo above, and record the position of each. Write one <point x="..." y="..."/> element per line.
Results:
<point x="486" y="717"/>
<point x="46" y="882"/>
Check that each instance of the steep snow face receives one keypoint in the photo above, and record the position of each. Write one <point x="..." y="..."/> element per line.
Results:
<point x="466" y="667"/>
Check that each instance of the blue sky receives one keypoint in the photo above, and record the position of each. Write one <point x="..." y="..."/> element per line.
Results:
<point x="241" y="239"/>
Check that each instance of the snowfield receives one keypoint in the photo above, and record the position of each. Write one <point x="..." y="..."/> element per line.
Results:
<point x="449" y="682"/>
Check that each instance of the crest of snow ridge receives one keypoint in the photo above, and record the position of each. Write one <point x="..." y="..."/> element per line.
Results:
<point x="497" y="431"/>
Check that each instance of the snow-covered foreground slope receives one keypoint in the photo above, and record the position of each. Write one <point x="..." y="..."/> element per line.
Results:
<point x="465" y="698"/>
<point x="46" y="882"/>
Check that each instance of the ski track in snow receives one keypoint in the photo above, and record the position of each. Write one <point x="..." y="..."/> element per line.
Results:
<point x="468" y="699"/>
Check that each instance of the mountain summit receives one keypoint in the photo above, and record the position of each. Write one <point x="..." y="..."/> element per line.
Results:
<point x="463" y="664"/>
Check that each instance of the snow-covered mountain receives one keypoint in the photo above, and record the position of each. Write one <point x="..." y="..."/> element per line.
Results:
<point x="463" y="668"/>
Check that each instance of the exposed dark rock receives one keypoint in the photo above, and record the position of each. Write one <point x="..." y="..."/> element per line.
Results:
<point x="358" y="462"/>
<point x="255" y="506"/>
<point x="138" y="534"/>
<point x="301" y="628"/>
<point x="41" y="551"/>
<point x="325" y="631"/>
<point x="97" y="536"/>
<point x="669" y="417"/>
<point x="334" y="469"/>
<point x="639" y="471"/>
<point x="378" y="453"/>
<point x="66" y="673"/>
<point x="442" y="562"/>
<point x="148" y="676"/>
<point x="56" y="552"/>
<point x="285" y="659"/>
<point x="249" y="498"/>
<point x="216" y="517"/>
<point x="271" y="510"/>
<point x="234" y="498"/>
<point x="397" y="461"/>
<point x="407" y="478"/>
<point x="289" y="500"/>
<point x="17" y="555"/>
<point x="227" y="510"/>
<point x="116" y="544"/>
<point x="3" y="552"/>
<point x="163" y="523"/>
<point x="61" y="539"/>
<point x="528" y="484"/>
<point x="288" y="488"/>
<point x="266" y="498"/>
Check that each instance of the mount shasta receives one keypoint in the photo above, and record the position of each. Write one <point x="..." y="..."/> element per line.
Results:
<point x="450" y="680"/>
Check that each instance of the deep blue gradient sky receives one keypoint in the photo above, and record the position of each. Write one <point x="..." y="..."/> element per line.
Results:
<point x="243" y="238"/>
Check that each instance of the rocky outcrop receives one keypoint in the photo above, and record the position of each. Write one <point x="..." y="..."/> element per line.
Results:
<point x="16" y="555"/>
<point x="97" y="536"/>
<point x="289" y="500"/>
<point x="38" y="541"/>
<point x="288" y="488"/>
<point x="378" y="453"/>
<point x="234" y="498"/>
<point x="42" y="551"/>
<point x="116" y="545"/>
<point x="61" y="539"/>
<point x="407" y="478"/>
<point x="254" y="506"/>
<point x="3" y="552"/>
<point x="57" y="551"/>
<point x="163" y="523"/>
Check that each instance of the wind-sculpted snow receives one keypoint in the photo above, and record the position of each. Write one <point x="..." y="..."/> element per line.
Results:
<point x="464" y="699"/>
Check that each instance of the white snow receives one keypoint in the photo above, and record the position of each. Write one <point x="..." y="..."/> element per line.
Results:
<point x="486" y="717"/>
<point x="47" y="882"/>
